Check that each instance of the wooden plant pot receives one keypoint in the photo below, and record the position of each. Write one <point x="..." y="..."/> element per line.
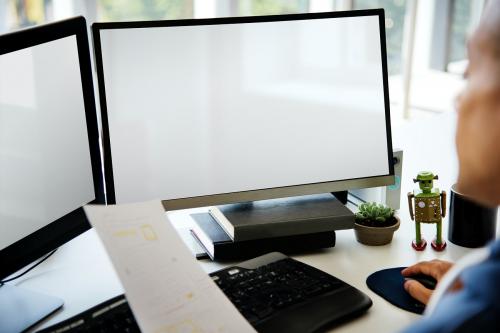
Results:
<point x="375" y="235"/>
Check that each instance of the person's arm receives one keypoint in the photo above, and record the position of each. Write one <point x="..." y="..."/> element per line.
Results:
<point x="435" y="268"/>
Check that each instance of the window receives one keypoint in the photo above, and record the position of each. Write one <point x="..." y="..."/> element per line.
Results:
<point x="21" y="14"/>
<point x="461" y="17"/>
<point x="437" y="46"/>
<point x="130" y="10"/>
<point x="462" y="20"/>
<point x="15" y="14"/>
<point x="269" y="7"/>
<point x="394" y="25"/>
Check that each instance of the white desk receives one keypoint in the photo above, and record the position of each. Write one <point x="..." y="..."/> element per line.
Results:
<point x="80" y="271"/>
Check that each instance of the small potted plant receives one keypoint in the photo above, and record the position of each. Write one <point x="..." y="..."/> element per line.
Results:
<point x="375" y="224"/>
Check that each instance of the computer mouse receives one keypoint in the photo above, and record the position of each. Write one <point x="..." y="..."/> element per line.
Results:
<point x="427" y="281"/>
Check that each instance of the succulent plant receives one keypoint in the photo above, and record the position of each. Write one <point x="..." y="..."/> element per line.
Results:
<point x="374" y="212"/>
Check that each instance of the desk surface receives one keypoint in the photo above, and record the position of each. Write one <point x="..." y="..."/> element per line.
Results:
<point x="80" y="271"/>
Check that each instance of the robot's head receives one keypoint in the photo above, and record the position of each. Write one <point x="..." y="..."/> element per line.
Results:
<point x="425" y="180"/>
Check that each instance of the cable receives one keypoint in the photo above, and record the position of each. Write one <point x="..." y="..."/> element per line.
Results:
<point x="28" y="270"/>
<point x="356" y="197"/>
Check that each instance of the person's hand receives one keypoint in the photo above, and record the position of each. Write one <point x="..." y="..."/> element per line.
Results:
<point x="435" y="268"/>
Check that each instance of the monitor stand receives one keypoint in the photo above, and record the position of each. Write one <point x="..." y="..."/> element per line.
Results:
<point x="21" y="308"/>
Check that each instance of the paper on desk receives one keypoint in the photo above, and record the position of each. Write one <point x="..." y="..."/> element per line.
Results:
<point x="166" y="288"/>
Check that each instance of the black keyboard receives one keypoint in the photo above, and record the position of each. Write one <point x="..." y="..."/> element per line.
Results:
<point x="273" y="292"/>
<point x="113" y="315"/>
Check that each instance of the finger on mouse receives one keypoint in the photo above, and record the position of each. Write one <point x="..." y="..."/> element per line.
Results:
<point x="418" y="291"/>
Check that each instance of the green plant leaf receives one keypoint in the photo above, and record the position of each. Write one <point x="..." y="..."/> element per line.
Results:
<point x="374" y="211"/>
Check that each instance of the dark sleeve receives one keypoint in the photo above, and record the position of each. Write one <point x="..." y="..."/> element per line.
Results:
<point x="486" y="321"/>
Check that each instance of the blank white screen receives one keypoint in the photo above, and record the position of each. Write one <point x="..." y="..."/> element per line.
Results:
<point x="200" y="110"/>
<point x="45" y="169"/>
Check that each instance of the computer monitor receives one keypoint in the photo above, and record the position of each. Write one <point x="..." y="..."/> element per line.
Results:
<point x="210" y="111"/>
<point x="50" y="164"/>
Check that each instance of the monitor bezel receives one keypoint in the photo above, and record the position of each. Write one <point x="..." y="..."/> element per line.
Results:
<point x="258" y="194"/>
<point x="53" y="235"/>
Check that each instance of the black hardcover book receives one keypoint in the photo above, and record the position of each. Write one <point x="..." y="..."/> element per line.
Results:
<point x="220" y="246"/>
<point x="281" y="217"/>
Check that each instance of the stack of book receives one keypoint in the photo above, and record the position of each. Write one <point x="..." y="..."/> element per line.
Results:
<point x="240" y="231"/>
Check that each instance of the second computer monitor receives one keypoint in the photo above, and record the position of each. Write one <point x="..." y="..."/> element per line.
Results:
<point x="50" y="162"/>
<point x="200" y="112"/>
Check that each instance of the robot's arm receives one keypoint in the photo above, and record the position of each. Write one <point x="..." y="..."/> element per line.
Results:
<point x="443" y="203"/>
<point x="410" y="204"/>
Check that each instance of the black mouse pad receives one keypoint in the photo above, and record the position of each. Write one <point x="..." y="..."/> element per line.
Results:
<point x="388" y="283"/>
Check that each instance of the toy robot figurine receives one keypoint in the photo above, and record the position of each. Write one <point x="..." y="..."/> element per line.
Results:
<point x="430" y="207"/>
